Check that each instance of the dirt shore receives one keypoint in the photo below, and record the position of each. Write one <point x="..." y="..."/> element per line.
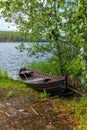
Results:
<point x="25" y="111"/>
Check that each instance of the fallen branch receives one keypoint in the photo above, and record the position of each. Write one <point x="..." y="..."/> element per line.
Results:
<point x="76" y="91"/>
<point x="34" y="110"/>
<point x="8" y="114"/>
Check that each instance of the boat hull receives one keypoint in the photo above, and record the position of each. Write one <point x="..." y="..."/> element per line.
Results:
<point x="50" y="83"/>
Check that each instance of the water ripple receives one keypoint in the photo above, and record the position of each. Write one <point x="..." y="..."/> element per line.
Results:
<point x="11" y="59"/>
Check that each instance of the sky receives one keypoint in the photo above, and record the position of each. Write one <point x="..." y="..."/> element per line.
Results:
<point x="4" y="26"/>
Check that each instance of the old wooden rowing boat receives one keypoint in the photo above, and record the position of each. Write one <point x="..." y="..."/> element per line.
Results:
<point x="41" y="81"/>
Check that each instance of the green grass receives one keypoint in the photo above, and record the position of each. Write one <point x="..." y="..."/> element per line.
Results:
<point x="81" y="113"/>
<point x="46" y="66"/>
<point x="15" y="87"/>
<point x="6" y="81"/>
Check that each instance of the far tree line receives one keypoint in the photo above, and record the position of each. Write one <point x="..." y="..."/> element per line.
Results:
<point x="10" y="36"/>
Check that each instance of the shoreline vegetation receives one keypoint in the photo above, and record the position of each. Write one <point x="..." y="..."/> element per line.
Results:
<point x="60" y="113"/>
<point x="10" y="36"/>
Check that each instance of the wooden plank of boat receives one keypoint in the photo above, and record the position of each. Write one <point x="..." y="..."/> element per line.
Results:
<point x="37" y="80"/>
<point x="26" y="72"/>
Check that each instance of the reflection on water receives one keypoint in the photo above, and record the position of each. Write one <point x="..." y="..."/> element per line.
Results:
<point x="11" y="59"/>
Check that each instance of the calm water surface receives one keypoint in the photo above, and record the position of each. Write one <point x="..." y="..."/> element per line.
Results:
<point x="12" y="60"/>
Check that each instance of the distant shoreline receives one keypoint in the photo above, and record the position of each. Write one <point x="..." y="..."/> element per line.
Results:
<point x="9" y="36"/>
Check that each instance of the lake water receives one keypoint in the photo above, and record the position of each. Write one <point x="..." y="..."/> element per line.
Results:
<point x="12" y="60"/>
